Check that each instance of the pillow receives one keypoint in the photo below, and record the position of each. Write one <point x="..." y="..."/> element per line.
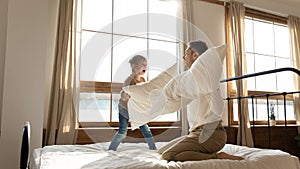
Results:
<point x="200" y="80"/>
<point x="164" y="94"/>
<point x="140" y="94"/>
<point x="143" y="90"/>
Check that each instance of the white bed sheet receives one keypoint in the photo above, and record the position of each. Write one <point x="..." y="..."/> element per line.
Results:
<point x="138" y="156"/>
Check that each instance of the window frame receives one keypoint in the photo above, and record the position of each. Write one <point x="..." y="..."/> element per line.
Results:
<point x="264" y="16"/>
<point x="111" y="88"/>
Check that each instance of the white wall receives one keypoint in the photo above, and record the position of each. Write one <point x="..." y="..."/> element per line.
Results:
<point x="53" y="18"/>
<point x="280" y="7"/>
<point x="23" y="96"/>
<point x="3" y="25"/>
<point x="210" y="18"/>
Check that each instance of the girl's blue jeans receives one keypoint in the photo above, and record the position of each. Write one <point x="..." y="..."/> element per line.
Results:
<point x="122" y="132"/>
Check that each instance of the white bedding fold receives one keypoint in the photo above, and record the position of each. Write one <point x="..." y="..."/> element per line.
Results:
<point x="149" y="100"/>
<point x="138" y="156"/>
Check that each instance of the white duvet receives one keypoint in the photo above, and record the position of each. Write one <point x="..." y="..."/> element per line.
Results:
<point x="169" y="92"/>
<point x="138" y="156"/>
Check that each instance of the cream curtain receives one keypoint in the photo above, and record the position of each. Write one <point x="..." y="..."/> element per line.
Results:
<point x="63" y="107"/>
<point x="187" y="13"/>
<point x="187" y="34"/>
<point x="235" y="27"/>
<point x="294" y="29"/>
<point x="188" y="31"/>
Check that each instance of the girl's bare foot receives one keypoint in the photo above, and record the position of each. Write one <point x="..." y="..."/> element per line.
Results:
<point x="222" y="155"/>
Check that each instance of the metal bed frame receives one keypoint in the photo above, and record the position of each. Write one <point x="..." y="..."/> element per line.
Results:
<point x="252" y="97"/>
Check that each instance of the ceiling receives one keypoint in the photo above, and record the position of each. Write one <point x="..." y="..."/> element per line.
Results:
<point x="291" y="3"/>
<point x="283" y="7"/>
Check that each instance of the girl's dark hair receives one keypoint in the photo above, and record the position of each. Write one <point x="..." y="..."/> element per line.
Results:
<point x="135" y="59"/>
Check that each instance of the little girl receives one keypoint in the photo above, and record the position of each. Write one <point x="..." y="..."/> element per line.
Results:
<point x="138" y="65"/>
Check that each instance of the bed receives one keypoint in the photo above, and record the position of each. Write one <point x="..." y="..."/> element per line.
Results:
<point x="138" y="156"/>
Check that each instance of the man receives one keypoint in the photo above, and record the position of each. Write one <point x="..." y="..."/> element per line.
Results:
<point x="206" y="135"/>
<point x="199" y="89"/>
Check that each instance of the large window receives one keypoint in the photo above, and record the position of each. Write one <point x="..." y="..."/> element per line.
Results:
<point x="267" y="47"/>
<point x="112" y="32"/>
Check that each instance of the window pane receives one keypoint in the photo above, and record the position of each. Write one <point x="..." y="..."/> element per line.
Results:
<point x="115" y="109"/>
<point x="249" y="35"/>
<point x="264" y="39"/>
<point x="95" y="57"/>
<point x="250" y="69"/>
<point x="262" y="111"/>
<point x="259" y="109"/>
<point x="130" y="17"/>
<point x="251" y="110"/>
<point x="123" y="51"/>
<point x="168" y="32"/>
<point x="235" y="109"/>
<point x="92" y="15"/>
<point x="265" y="82"/>
<point x="94" y="107"/>
<point x="283" y="62"/>
<point x="263" y="63"/>
<point x="163" y="13"/>
<point x="162" y="55"/>
<point x="282" y="45"/>
<point x="267" y="48"/>
<point x="290" y="115"/>
<point x="285" y="80"/>
<point x="105" y="54"/>
<point x="163" y="7"/>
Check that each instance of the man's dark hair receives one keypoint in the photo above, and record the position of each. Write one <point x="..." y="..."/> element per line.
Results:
<point x="198" y="46"/>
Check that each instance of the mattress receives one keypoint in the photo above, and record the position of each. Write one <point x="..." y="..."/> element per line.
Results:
<point x="138" y="156"/>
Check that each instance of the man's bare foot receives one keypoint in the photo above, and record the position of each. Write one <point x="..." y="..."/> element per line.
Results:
<point x="222" y="155"/>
